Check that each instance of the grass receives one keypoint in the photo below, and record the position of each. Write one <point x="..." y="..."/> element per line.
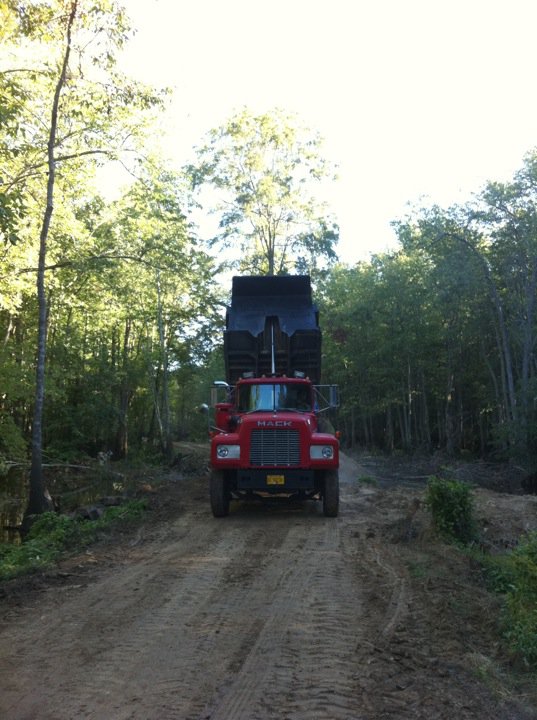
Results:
<point x="514" y="576"/>
<point x="418" y="570"/>
<point x="367" y="480"/>
<point x="53" y="536"/>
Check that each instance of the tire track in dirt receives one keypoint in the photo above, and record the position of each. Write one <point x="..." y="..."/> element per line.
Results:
<point x="398" y="602"/>
<point x="136" y="637"/>
<point x="197" y="626"/>
<point x="306" y="632"/>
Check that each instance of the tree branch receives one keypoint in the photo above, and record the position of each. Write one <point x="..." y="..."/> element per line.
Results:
<point x="90" y="258"/>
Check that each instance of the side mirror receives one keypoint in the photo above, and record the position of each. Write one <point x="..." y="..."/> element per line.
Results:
<point x="334" y="396"/>
<point x="204" y="409"/>
<point x="216" y="391"/>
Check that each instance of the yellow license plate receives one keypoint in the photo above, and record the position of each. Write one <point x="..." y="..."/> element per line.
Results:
<point x="275" y="479"/>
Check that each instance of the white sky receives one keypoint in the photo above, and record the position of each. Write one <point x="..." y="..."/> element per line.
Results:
<point x="413" y="97"/>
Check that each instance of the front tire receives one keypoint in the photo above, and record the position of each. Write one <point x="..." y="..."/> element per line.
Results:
<point x="219" y="494"/>
<point x="331" y="494"/>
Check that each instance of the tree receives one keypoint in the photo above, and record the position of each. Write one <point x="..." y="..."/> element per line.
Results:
<point x="486" y="252"/>
<point x="37" y="501"/>
<point x="264" y="169"/>
<point x="69" y="108"/>
<point x="382" y="345"/>
<point x="507" y="217"/>
<point x="149" y="261"/>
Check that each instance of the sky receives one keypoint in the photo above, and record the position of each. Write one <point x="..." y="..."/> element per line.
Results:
<point x="418" y="101"/>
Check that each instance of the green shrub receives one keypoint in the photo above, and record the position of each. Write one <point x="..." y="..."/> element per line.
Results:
<point x="133" y="510"/>
<point x="57" y="530"/>
<point x="514" y="575"/>
<point x="521" y="615"/>
<point x="368" y="480"/>
<point x="12" y="444"/>
<point x="52" y="534"/>
<point x="452" y="506"/>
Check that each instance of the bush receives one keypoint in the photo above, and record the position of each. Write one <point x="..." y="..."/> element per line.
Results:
<point x="368" y="480"/>
<point x="521" y="615"/>
<point x="514" y="575"/>
<point x="452" y="506"/>
<point x="12" y="444"/>
<point x="52" y="534"/>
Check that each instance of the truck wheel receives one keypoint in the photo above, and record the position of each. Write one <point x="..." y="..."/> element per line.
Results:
<point x="331" y="494"/>
<point x="219" y="494"/>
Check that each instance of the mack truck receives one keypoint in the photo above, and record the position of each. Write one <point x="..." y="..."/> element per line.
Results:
<point x="271" y="435"/>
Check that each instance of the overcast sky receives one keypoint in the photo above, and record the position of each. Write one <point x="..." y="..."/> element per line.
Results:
<point x="413" y="97"/>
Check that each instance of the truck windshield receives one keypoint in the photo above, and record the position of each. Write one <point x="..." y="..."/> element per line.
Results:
<point x="277" y="396"/>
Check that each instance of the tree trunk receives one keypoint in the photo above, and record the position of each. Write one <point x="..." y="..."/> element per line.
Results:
<point x="527" y="350"/>
<point x="406" y="415"/>
<point x="166" y="435"/>
<point x="401" y="418"/>
<point x="449" y="419"/>
<point x="9" y="330"/>
<point x="122" y="442"/>
<point x="425" y="424"/>
<point x="502" y="328"/>
<point x="38" y="502"/>
<point x="365" y="430"/>
<point x="389" y="429"/>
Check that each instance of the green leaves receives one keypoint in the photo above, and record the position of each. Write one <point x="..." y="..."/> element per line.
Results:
<point x="264" y="169"/>
<point x="112" y="270"/>
<point x="12" y="209"/>
<point x="484" y="258"/>
<point x="53" y="535"/>
<point x="452" y="506"/>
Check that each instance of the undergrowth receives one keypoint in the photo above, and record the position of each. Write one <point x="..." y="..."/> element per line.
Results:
<point x="368" y="480"/>
<point x="53" y="535"/>
<point x="451" y="504"/>
<point x="514" y="575"/>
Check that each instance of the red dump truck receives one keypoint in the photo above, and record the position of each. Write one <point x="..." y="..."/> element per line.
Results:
<point x="270" y="434"/>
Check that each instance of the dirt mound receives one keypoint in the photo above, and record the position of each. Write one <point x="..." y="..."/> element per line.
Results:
<point x="191" y="458"/>
<point x="414" y="471"/>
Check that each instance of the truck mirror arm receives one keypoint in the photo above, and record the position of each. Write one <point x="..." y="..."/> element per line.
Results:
<point x="217" y="429"/>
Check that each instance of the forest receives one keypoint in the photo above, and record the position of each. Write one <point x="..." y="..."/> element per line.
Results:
<point x="112" y="309"/>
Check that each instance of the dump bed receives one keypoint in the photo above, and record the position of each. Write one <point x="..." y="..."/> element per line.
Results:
<point x="272" y="326"/>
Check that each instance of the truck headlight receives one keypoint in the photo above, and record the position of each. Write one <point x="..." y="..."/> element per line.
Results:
<point x="228" y="452"/>
<point x="321" y="452"/>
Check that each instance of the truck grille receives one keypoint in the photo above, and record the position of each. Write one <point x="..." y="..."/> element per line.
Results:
<point x="275" y="447"/>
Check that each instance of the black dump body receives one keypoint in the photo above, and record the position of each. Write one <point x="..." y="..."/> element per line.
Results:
<point x="272" y="325"/>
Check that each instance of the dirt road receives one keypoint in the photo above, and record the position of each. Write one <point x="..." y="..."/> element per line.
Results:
<point x="273" y="612"/>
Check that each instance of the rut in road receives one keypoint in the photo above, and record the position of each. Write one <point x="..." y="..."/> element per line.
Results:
<point x="300" y="660"/>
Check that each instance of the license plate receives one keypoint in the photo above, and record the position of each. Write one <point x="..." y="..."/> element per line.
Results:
<point x="275" y="479"/>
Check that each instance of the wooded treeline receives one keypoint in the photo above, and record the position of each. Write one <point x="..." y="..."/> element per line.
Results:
<point x="110" y="310"/>
<point x="129" y="318"/>
<point x="119" y="293"/>
<point x="434" y="345"/>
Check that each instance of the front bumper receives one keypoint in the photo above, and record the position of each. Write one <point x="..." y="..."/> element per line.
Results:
<point x="276" y="480"/>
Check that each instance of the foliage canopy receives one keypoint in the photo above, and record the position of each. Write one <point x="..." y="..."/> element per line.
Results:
<point x="263" y="169"/>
